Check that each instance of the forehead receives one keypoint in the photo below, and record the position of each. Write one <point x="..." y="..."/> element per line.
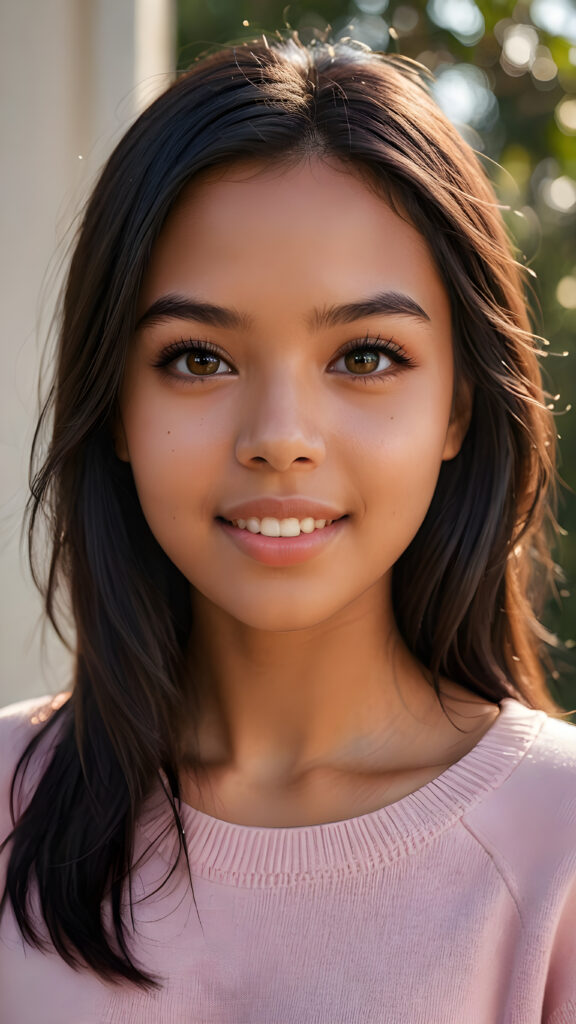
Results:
<point x="299" y="228"/>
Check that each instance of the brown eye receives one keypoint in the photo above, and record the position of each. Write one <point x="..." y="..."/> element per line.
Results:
<point x="362" y="360"/>
<point x="201" y="363"/>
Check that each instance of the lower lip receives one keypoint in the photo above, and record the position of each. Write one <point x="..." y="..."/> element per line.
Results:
<point x="280" y="551"/>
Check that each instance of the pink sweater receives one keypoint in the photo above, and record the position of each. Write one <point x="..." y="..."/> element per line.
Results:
<point x="454" y="905"/>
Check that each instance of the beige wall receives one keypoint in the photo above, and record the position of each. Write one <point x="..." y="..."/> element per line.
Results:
<point x="73" y="74"/>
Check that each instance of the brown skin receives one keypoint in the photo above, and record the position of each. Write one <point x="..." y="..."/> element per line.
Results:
<point x="313" y="709"/>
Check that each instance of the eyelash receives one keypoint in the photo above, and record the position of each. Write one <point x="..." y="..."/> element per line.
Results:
<point x="178" y="348"/>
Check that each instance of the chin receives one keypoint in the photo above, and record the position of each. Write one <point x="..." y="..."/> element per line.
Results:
<point x="283" y="620"/>
<point x="276" y="614"/>
<point x="288" y="624"/>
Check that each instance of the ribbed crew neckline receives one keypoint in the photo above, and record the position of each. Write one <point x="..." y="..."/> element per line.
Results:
<point x="257" y="856"/>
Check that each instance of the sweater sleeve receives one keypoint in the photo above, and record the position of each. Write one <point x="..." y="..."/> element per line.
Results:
<point x="528" y="829"/>
<point x="559" y="827"/>
<point x="560" y="1000"/>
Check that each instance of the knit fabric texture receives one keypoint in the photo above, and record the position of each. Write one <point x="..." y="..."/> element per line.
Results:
<point x="454" y="905"/>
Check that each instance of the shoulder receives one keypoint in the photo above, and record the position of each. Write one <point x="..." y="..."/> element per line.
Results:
<point x="528" y="822"/>
<point x="556" y="738"/>
<point x="546" y="775"/>
<point x="19" y="724"/>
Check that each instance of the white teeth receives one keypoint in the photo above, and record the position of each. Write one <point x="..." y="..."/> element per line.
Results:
<point x="272" y="527"/>
<point x="268" y="526"/>
<point x="308" y="525"/>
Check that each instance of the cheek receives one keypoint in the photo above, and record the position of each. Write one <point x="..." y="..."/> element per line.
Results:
<point x="402" y="457"/>
<point x="405" y="470"/>
<point x="176" y="458"/>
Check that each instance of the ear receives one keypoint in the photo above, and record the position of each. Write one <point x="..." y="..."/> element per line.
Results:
<point x="460" y="417"/>
<point x="119" y="439"/>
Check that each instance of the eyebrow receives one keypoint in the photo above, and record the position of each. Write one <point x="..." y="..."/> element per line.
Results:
<point x="186" y="307"/>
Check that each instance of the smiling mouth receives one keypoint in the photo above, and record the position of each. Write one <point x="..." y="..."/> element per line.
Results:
<point x="269" y="526"/>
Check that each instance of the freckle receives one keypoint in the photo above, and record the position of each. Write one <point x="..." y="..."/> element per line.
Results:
<point x="172" y="450"/>
<point x="169" y="431"/>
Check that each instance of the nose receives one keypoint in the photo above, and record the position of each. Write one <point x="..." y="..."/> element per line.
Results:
<point x="280" y="426"/>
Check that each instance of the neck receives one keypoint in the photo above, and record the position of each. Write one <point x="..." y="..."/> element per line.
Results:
<point x="343" y="694"/>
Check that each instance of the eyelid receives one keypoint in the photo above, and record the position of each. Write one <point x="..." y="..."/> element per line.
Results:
<point x="388" y="346"/>
<point x="176" y="349"/>
<point x="398" y="359"/>
<point x="379" y="343"/>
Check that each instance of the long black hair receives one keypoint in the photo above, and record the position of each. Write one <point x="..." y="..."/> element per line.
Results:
<point x="467" y="590"/>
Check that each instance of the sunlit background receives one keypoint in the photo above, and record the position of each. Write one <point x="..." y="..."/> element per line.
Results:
<point x="505" y="73"/>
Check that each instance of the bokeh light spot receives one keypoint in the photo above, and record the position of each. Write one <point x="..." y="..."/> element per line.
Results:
<point x="465" y="96"/>
<point x="405" y="19"/>
<point x="544" y="68"/>
<point x="519" y="48"/>
<point x="565" y="114"/>
<point x="566" y="292"/>
<point x="371" y="6"/>
<point x="559" y="193"/>
<point x="369" y="29"/>
<point x="463" y="18"/>
<point x="558" y="17"/>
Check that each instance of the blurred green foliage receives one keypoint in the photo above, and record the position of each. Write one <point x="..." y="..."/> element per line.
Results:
<point x="506" y="75"/>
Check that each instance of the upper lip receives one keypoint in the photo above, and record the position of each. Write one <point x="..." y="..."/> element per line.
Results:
<point x="281" y="508"/>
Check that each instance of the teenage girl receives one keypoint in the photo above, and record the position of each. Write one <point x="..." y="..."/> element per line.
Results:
<point x="298" y="493"/>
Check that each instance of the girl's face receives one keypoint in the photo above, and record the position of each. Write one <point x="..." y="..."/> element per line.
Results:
<point x="328" y="381"/>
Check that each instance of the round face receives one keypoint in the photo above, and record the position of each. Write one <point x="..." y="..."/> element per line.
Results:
<point x="288" y="396"/>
